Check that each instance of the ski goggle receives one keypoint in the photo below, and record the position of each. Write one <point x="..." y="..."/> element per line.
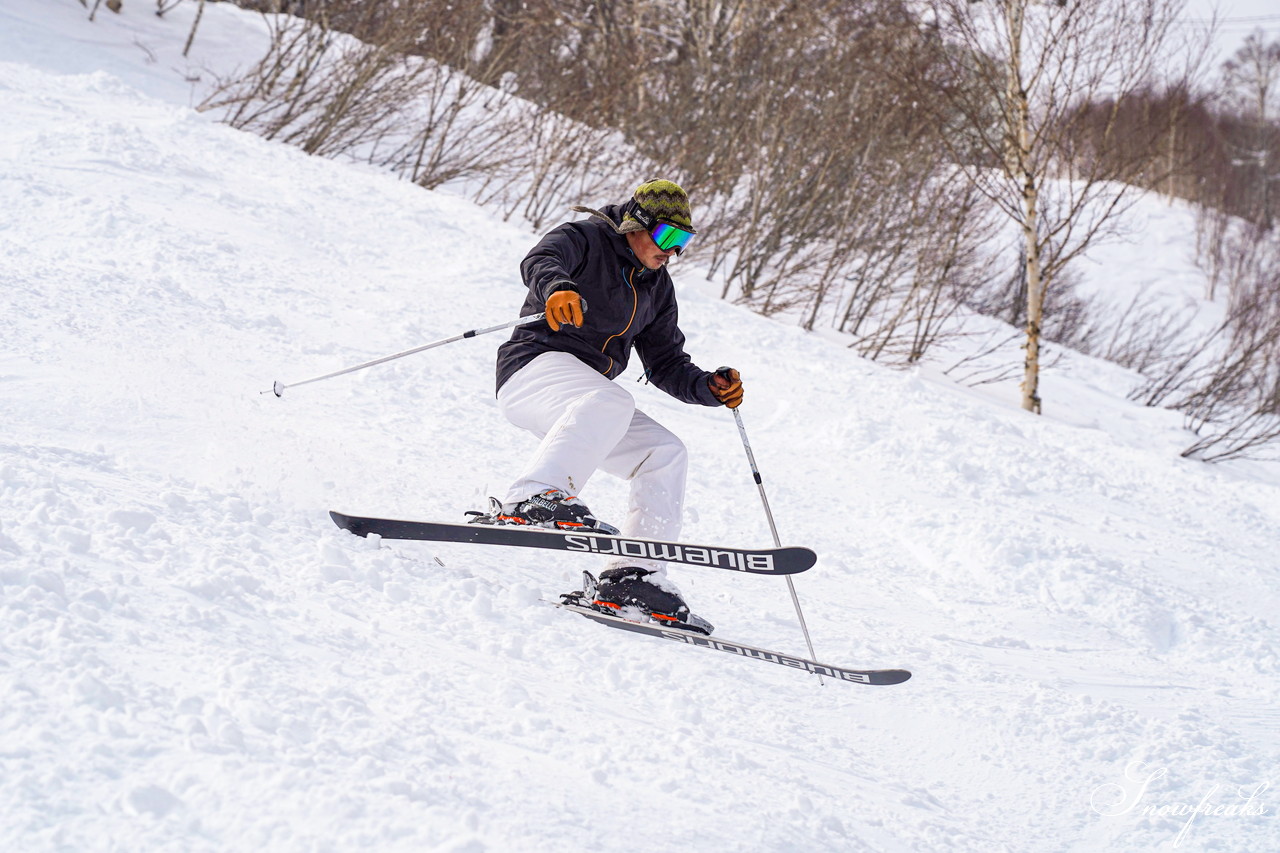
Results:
<point x="670" y="238"/>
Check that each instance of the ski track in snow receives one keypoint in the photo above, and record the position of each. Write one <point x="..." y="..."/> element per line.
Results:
<point x="194" y="658"/>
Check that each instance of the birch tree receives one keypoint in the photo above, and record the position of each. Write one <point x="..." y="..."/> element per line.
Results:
<point x="1015" y="72"/>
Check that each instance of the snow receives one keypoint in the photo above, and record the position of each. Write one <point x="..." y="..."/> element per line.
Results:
<point x="192" y="657"/>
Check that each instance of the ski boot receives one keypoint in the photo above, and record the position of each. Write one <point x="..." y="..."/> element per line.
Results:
<point x="552" y="509"/>
<point x="634" y="594"/>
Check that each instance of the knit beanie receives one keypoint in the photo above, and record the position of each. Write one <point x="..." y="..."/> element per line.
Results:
<point x="663" y="200"/>
<point x="659" y="199"/>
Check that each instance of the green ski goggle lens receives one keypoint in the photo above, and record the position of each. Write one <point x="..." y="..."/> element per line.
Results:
<point x="669" y="238"/>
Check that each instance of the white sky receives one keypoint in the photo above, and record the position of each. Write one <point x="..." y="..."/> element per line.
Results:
<point x="1237" y="18"/>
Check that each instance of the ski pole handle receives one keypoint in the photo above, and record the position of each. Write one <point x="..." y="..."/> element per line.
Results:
<point x="278" y="387"/>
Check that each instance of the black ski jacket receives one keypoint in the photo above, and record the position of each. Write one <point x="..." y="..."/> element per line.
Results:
<point x="627" y="305"/>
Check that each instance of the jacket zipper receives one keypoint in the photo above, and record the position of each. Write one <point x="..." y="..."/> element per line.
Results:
<point x="635" y="304"/>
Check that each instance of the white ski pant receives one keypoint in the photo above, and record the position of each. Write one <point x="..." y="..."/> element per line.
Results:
<point x="588" y="422"/>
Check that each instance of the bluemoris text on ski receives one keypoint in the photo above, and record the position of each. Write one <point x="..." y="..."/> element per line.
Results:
<point x="688" y="554"/>
<point x="772" y="657"/>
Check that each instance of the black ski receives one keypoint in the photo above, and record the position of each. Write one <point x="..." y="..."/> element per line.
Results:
<point x="853" y="676"/>
<point x="761" y="561"/>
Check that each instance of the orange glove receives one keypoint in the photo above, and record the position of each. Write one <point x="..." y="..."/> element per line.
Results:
<point x="726" y="385"/>
<point x="564" y="306"/>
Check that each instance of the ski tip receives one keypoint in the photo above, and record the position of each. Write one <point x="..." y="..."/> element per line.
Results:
<point x="347" y="522"/>
<point x="890" y="676"/>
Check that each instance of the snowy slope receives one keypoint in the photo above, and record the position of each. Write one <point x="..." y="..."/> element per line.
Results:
<point x="193" y="658"/>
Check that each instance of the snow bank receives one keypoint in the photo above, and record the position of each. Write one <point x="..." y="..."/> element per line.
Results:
<point x="194" y="658"/>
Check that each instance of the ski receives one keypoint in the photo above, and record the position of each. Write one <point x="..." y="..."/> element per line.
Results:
<point x="690" y="638"/>
<point x="762" y="561"/>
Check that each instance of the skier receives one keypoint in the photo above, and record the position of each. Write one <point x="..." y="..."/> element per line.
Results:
<point x="604" y="286"/>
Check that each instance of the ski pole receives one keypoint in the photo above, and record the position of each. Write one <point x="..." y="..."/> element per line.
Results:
<point x="773" y="528"/>
<point x="279" y="387"/>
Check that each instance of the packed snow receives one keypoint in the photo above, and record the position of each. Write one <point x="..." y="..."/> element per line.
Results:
<point x="192" y="657"/>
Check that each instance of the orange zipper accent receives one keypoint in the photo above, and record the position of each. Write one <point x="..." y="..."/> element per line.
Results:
<point x="635" y="305"/>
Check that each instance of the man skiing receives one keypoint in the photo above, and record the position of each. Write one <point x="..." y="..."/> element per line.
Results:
<point x="604" y="286"/>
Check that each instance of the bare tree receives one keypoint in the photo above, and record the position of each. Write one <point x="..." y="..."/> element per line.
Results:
<point x="113" y="5"/>
<point x="195" y="24"/>
<point x="1252" y="85"/>
<point x="561" y="162"/>
<point x="1226" y="381"/>
<point x="1015" y="71"/>
<point x="816" y="171"/>
<point x="1235" y="407"/>
<point x="397" y="85"/>
<point x="1142" y="336"/>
